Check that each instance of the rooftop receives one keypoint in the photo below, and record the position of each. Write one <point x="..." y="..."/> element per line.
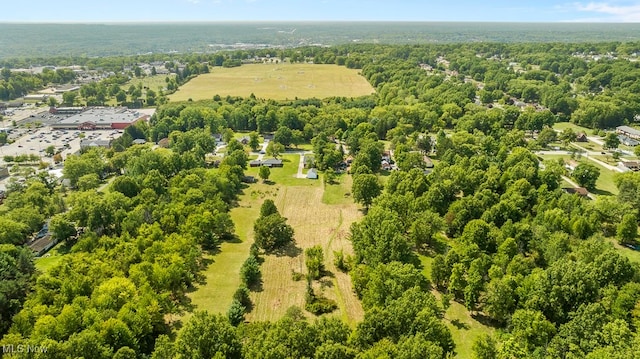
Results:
<point x="102" y="115"/>
<point x="629" y="130"/>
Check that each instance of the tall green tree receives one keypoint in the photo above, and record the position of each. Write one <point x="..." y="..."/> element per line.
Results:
<point x="207" y="336"/>
<point x="627" y="230"/>
<point x="365" y="188"/>
<point x="586" y="175"/>
<point x="272" y="232"/>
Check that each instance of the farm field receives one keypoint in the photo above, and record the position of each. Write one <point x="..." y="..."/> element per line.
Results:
<point x="314" y="222"/>
<point x="276" y="81"/>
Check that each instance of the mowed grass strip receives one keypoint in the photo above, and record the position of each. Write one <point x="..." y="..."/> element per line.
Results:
<point x="222" y="275"/>
<point x="278" y="82"/>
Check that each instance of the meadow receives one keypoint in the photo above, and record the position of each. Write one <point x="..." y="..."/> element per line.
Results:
<point x="302" y="202"/>
<point x="276" y="81"/>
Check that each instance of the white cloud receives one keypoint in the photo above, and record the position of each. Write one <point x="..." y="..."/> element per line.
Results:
<point x="610" y="11"/>
<point x="193" y="1"/>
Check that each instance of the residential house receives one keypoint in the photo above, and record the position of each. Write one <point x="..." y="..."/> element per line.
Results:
<point x="255" y="163"/>
<point x="631" y="165"/>
<point x="385" y="165"/>
<point x="581" y="191"/>
<point x="582" y="137"/>
<point x="570" y="165"/>
<point x="627" y="141"/>
<point x="427" y="161"/>
<point x="272" y="162"/>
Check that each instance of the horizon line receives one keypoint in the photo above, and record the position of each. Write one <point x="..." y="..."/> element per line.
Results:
<point x="110" y="22"/>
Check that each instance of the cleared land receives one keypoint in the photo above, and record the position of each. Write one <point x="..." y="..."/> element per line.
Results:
<point x="278" y="82"/>
<point x="314" y="222"/>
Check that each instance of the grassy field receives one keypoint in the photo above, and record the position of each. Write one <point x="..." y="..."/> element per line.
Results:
<point x="577" y="129"/>
<point x="52" y="258"/>
<point x="154" y="83"/>
<point x="278" y="82"/>
<point x="222" y="275"/>
<point x="314" y="222"/>
<point x="339" y="192"/>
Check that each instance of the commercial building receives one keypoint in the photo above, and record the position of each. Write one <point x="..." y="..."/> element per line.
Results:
<point x="628" y="131"/>
<point x="100" y="118"/>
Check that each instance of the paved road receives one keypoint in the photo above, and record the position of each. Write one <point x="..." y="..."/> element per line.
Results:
<point x="605" y="165"/>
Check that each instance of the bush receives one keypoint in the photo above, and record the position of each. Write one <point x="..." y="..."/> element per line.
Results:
<point x="236" y="313"/>
<point x="242" y="295"/>
<point x="250" y="271"/>
<point x="321" y="305"/>
<point x="296" y="276"/>
<point x="340" y="262"/>
<point x="313" y="259"/>
<point x="318" y="304"/>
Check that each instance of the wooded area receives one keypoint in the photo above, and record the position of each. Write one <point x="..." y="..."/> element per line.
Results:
<point x="503" y="238"/>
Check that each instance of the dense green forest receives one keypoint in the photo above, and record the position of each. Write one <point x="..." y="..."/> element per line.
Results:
<point x="128" y="39"/>
<point x="522" y="255"/>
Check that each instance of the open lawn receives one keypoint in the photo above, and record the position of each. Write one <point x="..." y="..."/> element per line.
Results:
<point x="632" y="255"/>
<point x="278" y="82"/>
<point x="338" y="192"/>
<point x="155" y="83"/>
<point x="52" y="258"/>
<point x="314" y="223"/>
<point x="577" y="129"/>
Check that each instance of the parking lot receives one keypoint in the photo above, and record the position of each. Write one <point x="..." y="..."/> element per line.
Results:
<point x="65" y="142"/>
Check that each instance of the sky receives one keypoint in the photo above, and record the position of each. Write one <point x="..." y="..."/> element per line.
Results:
<point x="318" y="10"/>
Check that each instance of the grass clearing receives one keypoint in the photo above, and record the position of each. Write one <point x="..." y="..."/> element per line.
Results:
<point x="464" y="327"/>
<point x="276" y="81"/>
<point x="339" y="192"/>
<point x="632" y="255"/>
<point x="155" y="83"/>
<point x="314" y="223"/>
<point x="577" y="129"/>
<point x="52" y="258"/>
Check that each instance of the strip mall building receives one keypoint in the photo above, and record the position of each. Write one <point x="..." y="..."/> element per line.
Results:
<point x="100" y="118"/>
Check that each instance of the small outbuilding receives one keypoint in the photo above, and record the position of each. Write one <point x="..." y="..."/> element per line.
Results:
<point x="312" y="174"/>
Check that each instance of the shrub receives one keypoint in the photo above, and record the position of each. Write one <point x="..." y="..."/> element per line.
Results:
<point x="242" y="295"/>
<point x="236" y="313"/>
<point x="250" y="271"/>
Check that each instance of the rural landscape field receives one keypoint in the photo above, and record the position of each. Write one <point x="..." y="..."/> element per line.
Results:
<point x="318" y="190"/>
<point x="276" y="81"/>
